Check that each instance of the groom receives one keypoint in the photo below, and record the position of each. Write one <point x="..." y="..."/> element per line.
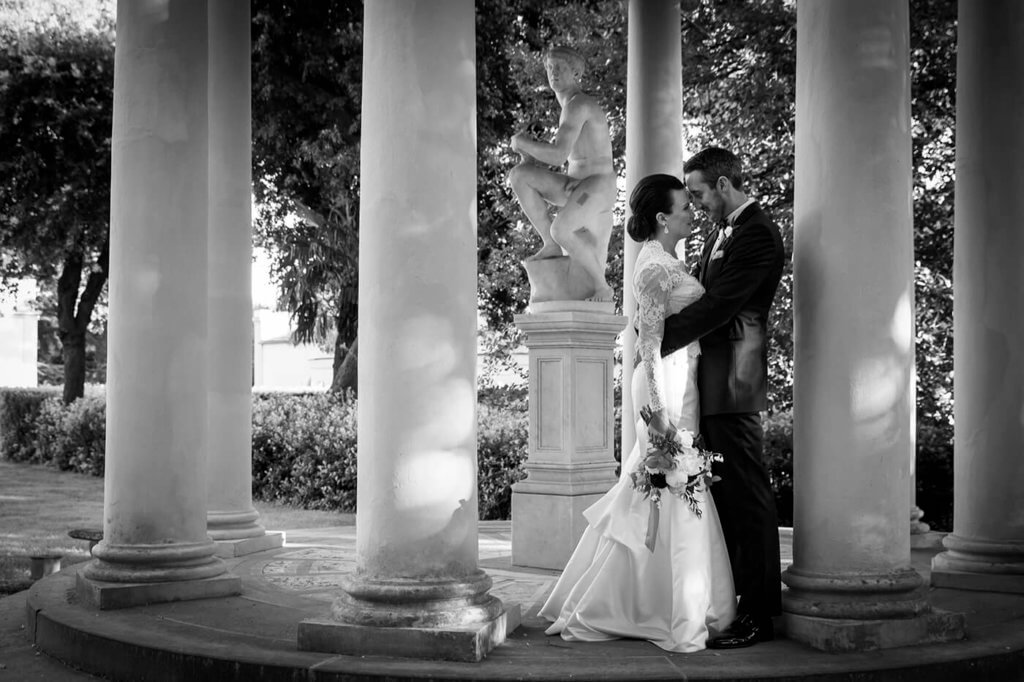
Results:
<point x="740" y="269"/>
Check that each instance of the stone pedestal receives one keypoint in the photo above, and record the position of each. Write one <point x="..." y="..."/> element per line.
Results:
<point x="571" y="452"/>
<point x="838" y="636"/>
<point x="103" y="595"/>
<point x="557" y="279"/>
<point x="259" y="541"/>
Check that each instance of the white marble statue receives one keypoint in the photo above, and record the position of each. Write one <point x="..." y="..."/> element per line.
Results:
<point x="573" y="172"/>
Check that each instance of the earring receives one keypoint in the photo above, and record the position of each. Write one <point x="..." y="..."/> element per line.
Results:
<point x="666" y="229"/>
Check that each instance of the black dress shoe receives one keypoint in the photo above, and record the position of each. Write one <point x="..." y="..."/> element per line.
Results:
<point x="744" y="632"/>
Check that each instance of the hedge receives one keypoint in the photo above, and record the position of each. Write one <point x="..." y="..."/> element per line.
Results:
<point x="304" y="450"/>
<point x="19" y="421"/>
<point x="304" y="445"/>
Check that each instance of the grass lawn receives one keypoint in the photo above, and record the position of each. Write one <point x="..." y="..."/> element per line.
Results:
<point x="39" y="505"/>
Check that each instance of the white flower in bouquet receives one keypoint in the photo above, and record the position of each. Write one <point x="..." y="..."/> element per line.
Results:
<point x="677" y="461"/>
<point x="676" y="478"/>
<point x="690" y="462"/>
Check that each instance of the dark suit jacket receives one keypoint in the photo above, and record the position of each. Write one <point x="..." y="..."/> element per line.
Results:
<point x="731" y="318"/>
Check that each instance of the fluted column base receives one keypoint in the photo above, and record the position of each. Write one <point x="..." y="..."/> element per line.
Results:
<point x="455" y="620"/>
<point x="969" y="564"/>
<point x="122" y="576"/>
<point x="859" y="611"/>
<point x="239" y="533"/>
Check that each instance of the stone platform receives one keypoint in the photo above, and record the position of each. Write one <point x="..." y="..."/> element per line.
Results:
<point x="253" y="636"/>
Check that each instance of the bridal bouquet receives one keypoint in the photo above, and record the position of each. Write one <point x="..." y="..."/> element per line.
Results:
<point x="676" y="462"/>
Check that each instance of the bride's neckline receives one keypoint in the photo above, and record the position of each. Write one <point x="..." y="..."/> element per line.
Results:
<point x="659" y="248"/>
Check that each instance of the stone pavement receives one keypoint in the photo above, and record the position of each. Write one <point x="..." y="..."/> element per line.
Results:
<point x="253" y="636"/>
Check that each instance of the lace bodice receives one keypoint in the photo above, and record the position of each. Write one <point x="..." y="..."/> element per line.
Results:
<point x="662" y="287"/>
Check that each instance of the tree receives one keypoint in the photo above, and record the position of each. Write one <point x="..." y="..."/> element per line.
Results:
<point x="739" y="85"/>
<point x="933" y="112"/>
<point x="56" y="95"/>
<point x="739" y="71"/>
<point x="307" y="79"/>
<point x="512" y="95"/>
<point x="739" y="92"/>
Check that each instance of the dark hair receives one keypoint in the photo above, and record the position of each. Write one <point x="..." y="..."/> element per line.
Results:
<point x="651" y="196"/>
<point x="714" y="163"/>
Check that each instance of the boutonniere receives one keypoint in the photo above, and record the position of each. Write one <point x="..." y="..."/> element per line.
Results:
<point x="728" y="231"/>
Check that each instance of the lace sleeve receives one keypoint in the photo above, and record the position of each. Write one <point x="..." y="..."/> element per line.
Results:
<point x="652" y="284"/>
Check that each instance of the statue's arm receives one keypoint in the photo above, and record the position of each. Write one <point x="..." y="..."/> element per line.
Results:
<point x="556" y="152"/>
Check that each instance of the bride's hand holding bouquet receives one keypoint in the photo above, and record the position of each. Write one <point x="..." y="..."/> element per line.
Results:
<point x="674" y="460"/>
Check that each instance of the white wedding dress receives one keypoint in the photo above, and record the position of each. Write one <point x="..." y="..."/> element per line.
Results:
<point x="613" y="586"/>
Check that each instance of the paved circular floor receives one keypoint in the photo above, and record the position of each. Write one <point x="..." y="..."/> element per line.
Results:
<point x="253" y="636"/>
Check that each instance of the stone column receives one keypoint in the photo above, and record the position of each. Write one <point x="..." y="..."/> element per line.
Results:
<point x="155" y="546"/>
<point x="571" y="452"/>
<point x="986" y="549"/>
<point x="417" y="590"/>
<point x="231" y="519"/>
<point x="654" y="143"/>
<point x="851" y="586"/>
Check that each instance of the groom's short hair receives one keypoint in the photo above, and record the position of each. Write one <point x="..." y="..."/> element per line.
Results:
<point x="714" y="163"/>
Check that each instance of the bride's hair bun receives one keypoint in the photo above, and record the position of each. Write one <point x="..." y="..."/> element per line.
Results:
<point x="638" y="227"/>
<point x="651" y="196"/>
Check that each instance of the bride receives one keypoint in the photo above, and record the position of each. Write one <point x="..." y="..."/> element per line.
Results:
<point x="613" y="585"/>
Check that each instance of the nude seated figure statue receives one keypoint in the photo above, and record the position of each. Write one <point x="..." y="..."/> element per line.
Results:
<point x="584" y="193"/>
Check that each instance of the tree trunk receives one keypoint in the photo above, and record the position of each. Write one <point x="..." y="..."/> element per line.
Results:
<point x="345" y="367"/>
<point x="73" y="353"/>
<point x="74" y="314"/>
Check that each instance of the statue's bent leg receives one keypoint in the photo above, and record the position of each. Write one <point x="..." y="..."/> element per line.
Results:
<point x="536" y="188"/>
<point x="583" y="228"/>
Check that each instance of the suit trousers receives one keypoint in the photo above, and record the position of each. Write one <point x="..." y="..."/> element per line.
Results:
<point x="746" y="507"/>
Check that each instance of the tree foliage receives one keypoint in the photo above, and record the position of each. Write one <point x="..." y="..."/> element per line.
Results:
<point x="513" y="95"/>
<point x="739" y="70"/>
<point x="933" y="89"/>
<point x="56" y="95"/>
<point x="307" y="79"/>
<point x="739" y="92"/>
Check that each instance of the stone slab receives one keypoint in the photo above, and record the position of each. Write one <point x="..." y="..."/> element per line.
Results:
<point x="1008" y="583"/>
<point x="546" y="528"/>
<point x="469" y="644"/>
<point x="929" y="540"/>
<point x="43" y="564"/>
<point x="253" y="637"/>
<point x="108" y="595"/>
<point x="557" y="279"/>
<point x="228" y="549"/>
<point x="578" y="306"/>
<point x="848" y="636"/>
